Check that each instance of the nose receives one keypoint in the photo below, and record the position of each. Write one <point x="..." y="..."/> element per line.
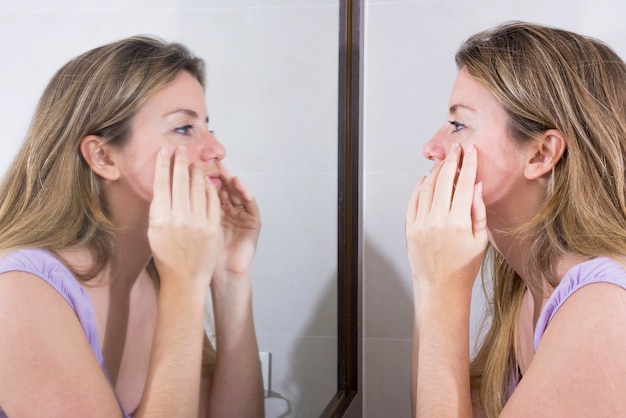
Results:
<point x="435" y="148"/>
<point x="212" y="149"/>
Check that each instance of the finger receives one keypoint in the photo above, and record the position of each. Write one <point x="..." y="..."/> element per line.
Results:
<point x="213" y="212"/>
<point x="425" y="195"/>
<point x="464" y="192"/>
<point x="239" y="195"/>
<point x="224" y="173"/>
<point x="227" y="192"/>
<point x="224" y="195"/>
<point x="180" y="183"/>
<point x="225" y="177"/>
<point x="243" y="197"/>
<point x="479" y="214"/>
<point x="444" y="189"/>
<point x="198" y="194"/>
<point x="411" y="211"/>
<point x="161" y="194"/>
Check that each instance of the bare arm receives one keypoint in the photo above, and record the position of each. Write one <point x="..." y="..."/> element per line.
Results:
<point x="46" y="364"/>
<point x="415" y="349"/>
<point x="446" y="240"/>
<point x="579" y="368"/>
<point x="236" y="386"/>
<point x="184" y="237"/>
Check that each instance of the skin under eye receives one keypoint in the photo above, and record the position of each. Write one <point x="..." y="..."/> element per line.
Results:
<point x="456" y="126"/>
<point x="184" y="130"/>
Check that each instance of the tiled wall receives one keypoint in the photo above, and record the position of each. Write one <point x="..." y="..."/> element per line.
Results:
<point x="409" y="71"/>
<point x="272" y="97"/>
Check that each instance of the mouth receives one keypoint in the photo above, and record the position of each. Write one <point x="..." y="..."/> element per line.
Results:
<point x="215" y="178"/>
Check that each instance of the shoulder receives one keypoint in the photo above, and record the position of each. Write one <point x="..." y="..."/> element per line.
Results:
<point x="26" y="275"/>
<point x="26" y="259"/>
<point x="579" y="368"/>
<point x="44" y="265"/>
<point x="44" y="354"/>
<point x="35" y="261"/>
<point x="595" y="271"/>
<point x="34" y="277"/>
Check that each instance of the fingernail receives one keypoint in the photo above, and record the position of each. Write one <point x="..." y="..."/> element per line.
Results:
<point x="468" y="149"/>
<point x="164" y="153"/>
<point x="181" y="150"/>
<point x="454" y="148"/>
<point x="479" y="189"/>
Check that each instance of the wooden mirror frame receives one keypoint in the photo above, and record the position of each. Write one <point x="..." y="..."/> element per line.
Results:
<point x="348" y="400"/>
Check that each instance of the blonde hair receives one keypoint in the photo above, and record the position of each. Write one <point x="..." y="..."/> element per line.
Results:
<point x="49" y="197"/>
<point x="549" y="78"/>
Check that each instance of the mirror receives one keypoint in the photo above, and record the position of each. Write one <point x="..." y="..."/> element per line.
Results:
<point x="272" y="84"/>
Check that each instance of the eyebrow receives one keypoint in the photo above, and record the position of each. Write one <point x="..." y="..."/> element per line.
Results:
<point x="188" y="112"/>
<point x="455" y="108"/>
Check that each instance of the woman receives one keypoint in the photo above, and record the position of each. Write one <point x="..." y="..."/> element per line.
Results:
<point x="116" y="218"/>
<point x="529" y="167"/>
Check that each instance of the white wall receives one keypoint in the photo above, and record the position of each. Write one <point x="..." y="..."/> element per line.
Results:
<point x="409" y="71"/>
<point x="272" y="97"/>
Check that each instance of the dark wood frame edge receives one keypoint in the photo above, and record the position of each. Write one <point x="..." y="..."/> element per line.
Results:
<point x="348" y="400"/>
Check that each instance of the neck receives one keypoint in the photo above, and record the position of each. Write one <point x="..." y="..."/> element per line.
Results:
<point x="132" y="251"/>
<point x="130" y="217"/>
<point x="515" y="249"/>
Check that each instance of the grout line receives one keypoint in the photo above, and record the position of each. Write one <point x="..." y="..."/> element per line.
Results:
<point x="387" y="339"/>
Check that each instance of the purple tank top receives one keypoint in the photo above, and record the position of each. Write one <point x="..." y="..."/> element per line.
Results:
<point x="597" y="270"/>
<point x="44" y="265"/>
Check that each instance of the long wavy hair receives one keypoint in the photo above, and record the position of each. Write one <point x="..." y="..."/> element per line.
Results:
<point x="549" y="78"/>
<point x="49" y="197"/>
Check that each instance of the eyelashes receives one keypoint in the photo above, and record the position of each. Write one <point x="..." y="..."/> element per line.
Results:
<point x="184" y="130"/>
<point x="456" y="126"/>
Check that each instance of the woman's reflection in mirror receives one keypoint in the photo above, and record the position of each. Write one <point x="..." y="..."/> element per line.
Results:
<point x="118" y="219"/>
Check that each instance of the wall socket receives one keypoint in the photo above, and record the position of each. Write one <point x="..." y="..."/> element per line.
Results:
<point x="266" y="367"/>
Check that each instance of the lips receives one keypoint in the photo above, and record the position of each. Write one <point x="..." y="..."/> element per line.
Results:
<point x="215" y="178"/>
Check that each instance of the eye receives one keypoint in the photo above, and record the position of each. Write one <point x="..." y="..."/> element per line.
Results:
<point x="456" y="126"/>
<point x="184" y="130"/>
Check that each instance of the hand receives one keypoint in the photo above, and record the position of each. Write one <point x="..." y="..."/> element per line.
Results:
<point x="446" y="226"/>
<point x="241" y="225"/>
<point x="184" y="226"/>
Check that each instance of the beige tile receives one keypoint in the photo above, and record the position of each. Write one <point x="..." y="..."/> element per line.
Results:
<point x="304" y="377"/>
<point x="387" y="378"/>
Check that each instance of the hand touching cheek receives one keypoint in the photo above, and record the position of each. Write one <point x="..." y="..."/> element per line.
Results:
<point x="184" y="228"/>
<point x="446" y="225"/>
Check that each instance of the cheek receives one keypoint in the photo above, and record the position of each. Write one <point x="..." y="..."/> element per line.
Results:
<point x="139" y="175"/>
<point x="194" y="152"/>
<point x="501" y="180"/>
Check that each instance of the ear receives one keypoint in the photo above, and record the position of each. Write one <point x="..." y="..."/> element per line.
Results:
<point x="98" y="157"/>
<point x="546" y="151"/>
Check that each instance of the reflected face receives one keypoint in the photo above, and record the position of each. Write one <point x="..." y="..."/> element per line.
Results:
<point x="475" y="117"/>
<point x="176" y="115"/>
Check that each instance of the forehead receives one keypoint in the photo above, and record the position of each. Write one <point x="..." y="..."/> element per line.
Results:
<point x="185" y="91"/>
<point x="468" y="94"/>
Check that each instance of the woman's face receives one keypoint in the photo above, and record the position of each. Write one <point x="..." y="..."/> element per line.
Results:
<point x="175" y="115"/>
<point x="475" y="117"/>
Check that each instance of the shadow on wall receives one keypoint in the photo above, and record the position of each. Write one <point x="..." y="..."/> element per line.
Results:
<point x="388" y="332"/>
<point x="312" y="378"/>
<point x="388" y="295"/>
